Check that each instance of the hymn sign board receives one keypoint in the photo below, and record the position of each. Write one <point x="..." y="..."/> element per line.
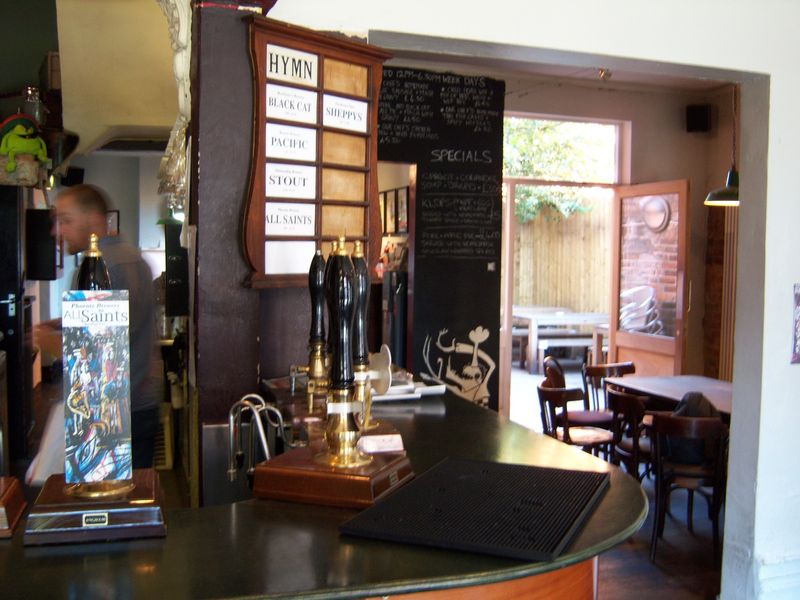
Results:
<point x="313" y="174"/>
<point x="97" y="416"/>
<point x="451" y="126"/>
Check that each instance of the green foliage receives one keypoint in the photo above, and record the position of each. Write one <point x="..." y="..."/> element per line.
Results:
<point x="556" y="151"/>
<point x="532" y="200"/>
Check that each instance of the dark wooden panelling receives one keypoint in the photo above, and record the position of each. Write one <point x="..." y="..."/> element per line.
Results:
<point x="226" y="313"/>
<point x="286" y="320"/>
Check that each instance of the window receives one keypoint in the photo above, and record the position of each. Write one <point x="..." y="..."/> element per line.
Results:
<point x="560" y="165"/>
<point x="559" y="176"/>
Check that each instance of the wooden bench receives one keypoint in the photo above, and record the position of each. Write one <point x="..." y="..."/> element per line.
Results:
<point x="576" y="340"/>
<point x="519" y="337"/>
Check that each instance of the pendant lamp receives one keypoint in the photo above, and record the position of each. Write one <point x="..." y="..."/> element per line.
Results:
<point x="728" y="195"/>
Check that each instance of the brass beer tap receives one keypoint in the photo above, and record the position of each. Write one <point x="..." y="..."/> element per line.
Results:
<point x="341" y="428"/>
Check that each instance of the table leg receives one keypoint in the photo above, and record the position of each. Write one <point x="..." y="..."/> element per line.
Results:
<point x="533" y="346"/>
<point x="597" y="346"/>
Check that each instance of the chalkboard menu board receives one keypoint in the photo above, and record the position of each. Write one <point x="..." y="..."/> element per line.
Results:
<point x="451" y="126"/>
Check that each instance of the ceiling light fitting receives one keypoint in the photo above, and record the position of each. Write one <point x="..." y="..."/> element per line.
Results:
<point x="728" y="195"/>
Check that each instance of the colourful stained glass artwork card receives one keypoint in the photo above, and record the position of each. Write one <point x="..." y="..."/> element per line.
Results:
<point x="97" y="415"/>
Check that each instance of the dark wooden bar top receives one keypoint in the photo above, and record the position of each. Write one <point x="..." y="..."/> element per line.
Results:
<point x="263" y="548"/>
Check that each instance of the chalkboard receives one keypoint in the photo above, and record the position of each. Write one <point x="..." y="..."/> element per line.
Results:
<point x="451" y="126"/>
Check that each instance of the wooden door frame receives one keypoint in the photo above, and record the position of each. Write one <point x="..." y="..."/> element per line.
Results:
<point x="656" y="343"/>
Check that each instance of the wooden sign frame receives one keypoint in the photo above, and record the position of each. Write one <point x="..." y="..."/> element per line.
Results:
<point x="348" y="76"/>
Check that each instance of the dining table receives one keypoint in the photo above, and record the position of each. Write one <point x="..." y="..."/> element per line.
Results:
<point x="540" y="316"/>
<point x="672" y="388"/>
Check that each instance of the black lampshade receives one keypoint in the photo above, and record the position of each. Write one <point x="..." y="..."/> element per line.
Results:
<point x="728" y="195"/>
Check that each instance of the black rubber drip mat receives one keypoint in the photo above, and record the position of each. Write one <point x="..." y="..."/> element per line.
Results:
<point x="517" y="511"/>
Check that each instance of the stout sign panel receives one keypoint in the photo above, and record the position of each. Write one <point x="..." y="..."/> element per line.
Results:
<point x="291" y="181"/>
<point x="452" y="127"/>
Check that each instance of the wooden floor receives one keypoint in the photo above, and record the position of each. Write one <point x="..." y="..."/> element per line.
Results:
<point x="684" y="566"/>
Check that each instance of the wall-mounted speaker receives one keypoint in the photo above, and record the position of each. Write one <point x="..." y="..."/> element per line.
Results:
<point x="698" y="118"/>
<point x="40" y="246"/>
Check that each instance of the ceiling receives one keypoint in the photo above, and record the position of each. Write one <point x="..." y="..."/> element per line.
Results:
<point x="116" y="71"/>
<point x="118" y="83"/>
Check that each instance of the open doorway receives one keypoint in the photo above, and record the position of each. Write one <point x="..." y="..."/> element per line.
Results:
<point x="558" y="177"/>
<point x="396" y="192"/>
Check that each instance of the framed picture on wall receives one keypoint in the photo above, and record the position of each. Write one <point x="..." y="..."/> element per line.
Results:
<point x="391" y="211"/>
<point x="382" y="200"/>
<point x="112" y="222"/>
<point x="402" y="210"/>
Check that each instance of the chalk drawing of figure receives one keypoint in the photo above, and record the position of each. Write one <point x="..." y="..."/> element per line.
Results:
<point x="463" y="367"/>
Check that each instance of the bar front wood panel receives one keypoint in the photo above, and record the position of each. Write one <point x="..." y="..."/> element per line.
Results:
<point x="575" y="582"/>
<point x="306" y="80"/>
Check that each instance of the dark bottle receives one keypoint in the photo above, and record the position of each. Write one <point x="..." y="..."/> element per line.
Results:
<point x="93" y="274"/>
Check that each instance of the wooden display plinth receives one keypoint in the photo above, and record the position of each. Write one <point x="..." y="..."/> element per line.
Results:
<point x="12" y="505"/>
<point x="58" y="517"/>
<point x="296" y="476"/>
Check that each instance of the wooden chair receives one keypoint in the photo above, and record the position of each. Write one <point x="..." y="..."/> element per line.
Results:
<point x="554" y="373"/>
<point x="631" y="446"/>
<point x="594" y="381"/>
<point x="586" y="417"/>
<point x="557" y="420"/>
<point x="675" y="439"/>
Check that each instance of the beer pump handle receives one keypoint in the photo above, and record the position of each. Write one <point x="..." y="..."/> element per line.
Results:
<point x="316" y="287"/>
<point x="361" y="294"/>
<point x="339" y="292"/>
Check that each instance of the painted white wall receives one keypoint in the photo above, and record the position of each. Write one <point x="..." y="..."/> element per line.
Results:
<point x="762" y="545"/>
<point x="151" y="206"/>
<point x="118" y="176"/>
<point x="392" y="175"/>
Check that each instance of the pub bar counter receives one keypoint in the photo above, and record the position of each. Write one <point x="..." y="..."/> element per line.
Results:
<point x="261" y="548"/>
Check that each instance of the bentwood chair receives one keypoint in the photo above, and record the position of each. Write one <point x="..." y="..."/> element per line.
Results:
<point x="631" y="446"/>
<point x="554" y="373"/>
<point x="594" y="381"/>
<point x="689" y="453"/>
<point x="557" y="420"/>
<point x="584" y="417"/>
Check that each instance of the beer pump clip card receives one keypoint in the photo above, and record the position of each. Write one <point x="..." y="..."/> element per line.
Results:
<point x="97" y="414"/>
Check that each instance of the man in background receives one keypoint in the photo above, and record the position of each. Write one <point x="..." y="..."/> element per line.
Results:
<point x="80" y="211"/>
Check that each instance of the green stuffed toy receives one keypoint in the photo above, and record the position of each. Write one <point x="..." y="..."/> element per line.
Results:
<point x="18" y="137"/>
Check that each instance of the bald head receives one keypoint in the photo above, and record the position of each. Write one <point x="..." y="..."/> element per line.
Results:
<point x="80" y="211"/>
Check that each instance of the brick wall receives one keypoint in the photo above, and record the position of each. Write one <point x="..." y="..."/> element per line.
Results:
<point x="712" y="319"/>
<point x="651" y="257"/>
